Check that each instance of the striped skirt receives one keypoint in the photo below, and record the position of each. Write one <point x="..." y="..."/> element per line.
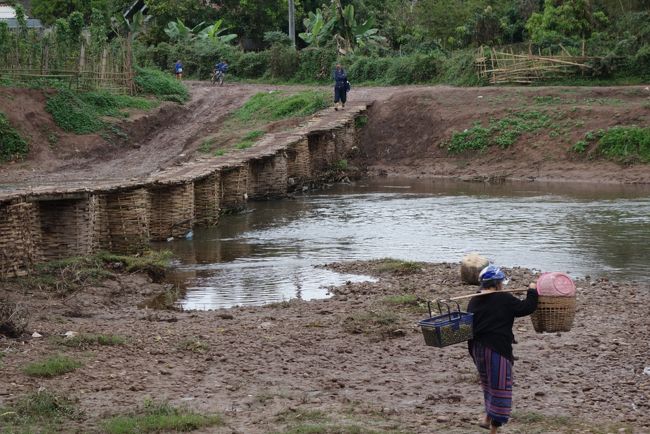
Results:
<point x="496" y="380"/>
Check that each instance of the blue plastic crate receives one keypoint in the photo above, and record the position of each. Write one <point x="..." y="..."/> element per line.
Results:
<point x="446" y="329"/>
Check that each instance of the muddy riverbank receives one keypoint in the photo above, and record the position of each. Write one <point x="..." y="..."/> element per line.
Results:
<point x="355" y="362"/>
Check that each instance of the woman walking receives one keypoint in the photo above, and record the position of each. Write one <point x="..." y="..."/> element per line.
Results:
<point x="340" y="86"/>
<point x="491" y="346"/>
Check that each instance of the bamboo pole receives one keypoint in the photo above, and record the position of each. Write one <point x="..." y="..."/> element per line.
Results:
<point x="478" y="294"/>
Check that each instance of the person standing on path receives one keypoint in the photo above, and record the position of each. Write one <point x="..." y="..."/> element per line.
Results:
<point x="491" y="346"/>
<point x="341" y="86"/>
<point x="178" y="70"/>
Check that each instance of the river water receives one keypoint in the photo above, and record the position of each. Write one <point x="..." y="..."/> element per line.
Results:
<point x="271" y="251"/>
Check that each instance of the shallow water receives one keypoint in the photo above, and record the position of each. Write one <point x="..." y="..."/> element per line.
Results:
<point x="270" y="252"/>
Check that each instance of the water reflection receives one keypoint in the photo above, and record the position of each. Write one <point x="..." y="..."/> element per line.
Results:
<point x="270" y="252"/>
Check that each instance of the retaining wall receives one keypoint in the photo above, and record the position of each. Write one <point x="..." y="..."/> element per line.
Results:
<point x="53" y="223"/>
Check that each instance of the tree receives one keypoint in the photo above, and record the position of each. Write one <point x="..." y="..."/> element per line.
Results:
<point x="49" y="10"/>
<point x="562" y="21"/>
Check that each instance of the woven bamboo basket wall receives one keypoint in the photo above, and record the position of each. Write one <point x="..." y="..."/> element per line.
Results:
<point x="172" y="211"/>
<point x="207" y="200"/>
<point x="322" y="151"/>
<point x="102" y="231"/>
<point x="18" y="238"/>
<point x="67" y="228"/>
<point x="554" y="314"/>
<point x="298" y="161"/>
<point x="267" y="177"/>
<point x="127" y="214"/>
<point x="345" y="139"/>
<point x="234" y="187"/>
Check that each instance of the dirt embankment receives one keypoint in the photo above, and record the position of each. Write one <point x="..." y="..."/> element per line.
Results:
<point x="408" y="133"/>
<point x="352" y="363"/>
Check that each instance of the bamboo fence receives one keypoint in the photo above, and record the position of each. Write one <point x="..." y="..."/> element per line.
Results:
<point x="501" y="67"/>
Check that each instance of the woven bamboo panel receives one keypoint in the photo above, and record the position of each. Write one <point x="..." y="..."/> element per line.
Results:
<point x="207" y="200"/>
<point x="554" y="314"/>
<point x="267" y="177"/>
<point x="234" y="187"/>
<point x="102" y="231"/>
<point x="67" y="228"/>
<point x="127" y="214"/>
<point x="322" y="151"/>
<point x="298" y="161"/>
<point x="18" y="238"/>
<point x="172" y="211"/>
<point x="345" y="139"/>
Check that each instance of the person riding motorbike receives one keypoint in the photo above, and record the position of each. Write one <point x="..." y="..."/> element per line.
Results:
<point x="220" y="70"/>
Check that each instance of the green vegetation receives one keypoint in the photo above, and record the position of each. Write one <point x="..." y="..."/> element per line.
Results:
<point x="622" y="144"/>
<point x="406" y="299"/>
<point x="159" y="417"/>
<point x="68" y="275"/>
<point x="397" y="266"/>
<point x="38" y="412"/>
<point x="219" y="152"/>
<point x="195" y="346"/>
<point x="206" y="146"/>
<point x="160" y="84"/>
<point x="361" y="121"/>
<point x="52" y="367"/>
<point x="502" y="132"/>
<point x="249" y="139"/>
<point x="276" y="105"/>
<point x="82" y="112"/>
<point x="12" y="145"/>
<point x="342" y="165"/>
<point x="379" y="323"/>
<point x="85" y="340"/>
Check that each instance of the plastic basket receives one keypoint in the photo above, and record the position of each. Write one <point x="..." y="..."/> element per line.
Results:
<point x="448" y="328"/>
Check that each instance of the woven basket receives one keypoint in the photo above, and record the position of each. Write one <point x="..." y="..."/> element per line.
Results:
<point x="554" y="314"/>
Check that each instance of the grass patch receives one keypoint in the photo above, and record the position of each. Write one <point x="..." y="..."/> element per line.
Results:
<point x="206" y="146"/>
<point x="81" y="112"/>
<point x="157" y="418"/>
<point x="405" y="300"/>
<point x="276" y="105"/>
<point x="195" y="346"/>
<point x="361" y="121"/>
<point x="249" y="139"/>
<point x="219" y="152"/>
<point x="160" y="84"/>
<point x="502" y="132"/>
<point x="85" y="340"/>
<point x="397" y="266"/>
<point x="12" y="145"/>
<point x="379" y="323"/>
<point x="71" y="274"/>
<point x="52" y="367"/>
<point x="38" y="412"/>
<point x="626" y="144"/>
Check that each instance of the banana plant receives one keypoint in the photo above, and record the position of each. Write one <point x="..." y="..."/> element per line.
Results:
<point x="318" y="29"/>
<point x="214" y="32"/>
<point x="178" y="31"/>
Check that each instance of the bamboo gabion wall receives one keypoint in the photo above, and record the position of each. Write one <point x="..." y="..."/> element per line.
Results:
<point x="234" y="187"/>
<point x="267" y="177"/>
<point x="19" y="234"/>
<point x="298" y="162"/>
<point x="171" y="211"/>
<point x="322" y="151"/>
<point x="345" y="139"/>
<point x="127" y="220"/>
<point x="207" y="200"/>
<point x="67" y="227"/>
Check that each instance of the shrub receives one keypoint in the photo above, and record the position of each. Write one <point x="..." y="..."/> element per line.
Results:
<point x="251" y="65"/>
<point x="283" y="62"/>
<point x="316" y="64"/>
<point x="164" y="86"/>
<point x="626" y="144"/>
<point x="12" y="145"/>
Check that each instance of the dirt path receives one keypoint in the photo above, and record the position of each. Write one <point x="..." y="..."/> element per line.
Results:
<point x="355" y="360"/>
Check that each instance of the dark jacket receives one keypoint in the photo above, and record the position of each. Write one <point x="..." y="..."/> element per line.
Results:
<point x="494" y="316"/>
<point x="340" y="78"/>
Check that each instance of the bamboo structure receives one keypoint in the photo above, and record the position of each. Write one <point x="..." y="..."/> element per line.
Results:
<point x="298" y="162"/>
<point x="127" y="220"/>
<point x="501" y="67"/>
<point x="207" y="200"/>
<point x="18" y="238"/>
<point x="234" y="187"/>
<point x="171" y="211"/>
<point x="322" y="151"/>
<point x="267" y="177"/>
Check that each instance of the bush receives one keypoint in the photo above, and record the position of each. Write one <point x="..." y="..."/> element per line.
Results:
<point x="642" y="60"/>
<point x="626" y="144"/>
<point x="459" y="69"/>
<point x="12" y="145"/>
<point x="164" y="86"/>
<point x="316" y="64"/>
<point x="283" y="62"/>
<point x="251" y="65"/>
